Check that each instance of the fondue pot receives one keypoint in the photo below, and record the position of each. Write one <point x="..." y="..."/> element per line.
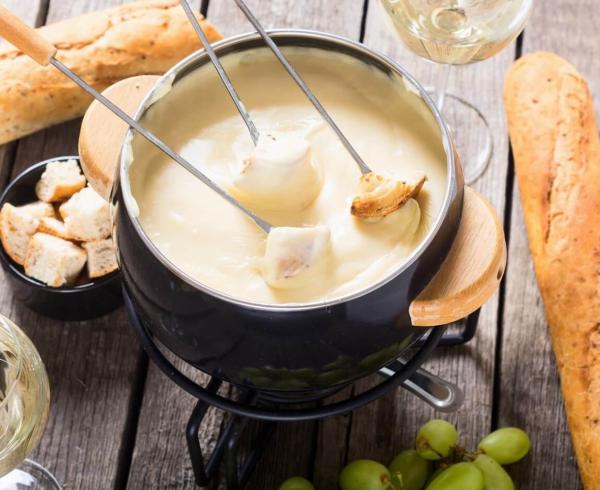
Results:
<point x="293" y="348"/>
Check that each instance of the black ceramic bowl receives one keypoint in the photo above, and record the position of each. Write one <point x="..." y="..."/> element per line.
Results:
<point x="279" y="347"/>
<point x="86" y="300"/>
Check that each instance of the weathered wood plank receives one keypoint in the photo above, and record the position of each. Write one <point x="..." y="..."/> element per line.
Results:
<point x="389" y="425"/>
<point x="290" y="451"/>
<point x="534" y="399"/>
<point x="92" y="365"/>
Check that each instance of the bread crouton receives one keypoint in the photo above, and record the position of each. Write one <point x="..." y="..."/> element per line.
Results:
<point x="60" y="181"/>
<point x="86" y="216"/>
<point x="53" y="261"/>
<point x="102" y="258"/>
<point x="16" y="229"/>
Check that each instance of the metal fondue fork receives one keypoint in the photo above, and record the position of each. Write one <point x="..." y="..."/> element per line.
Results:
<point x="34" y="45"/>
<point x="364" y="168"/>
<point x="254" y="134"/>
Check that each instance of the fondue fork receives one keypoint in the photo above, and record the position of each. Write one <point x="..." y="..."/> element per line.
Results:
<point x="379" y="195"/>
<point x="34" y="45"/>
<point x="364" y="168"/>
<point x="254" y="134"/>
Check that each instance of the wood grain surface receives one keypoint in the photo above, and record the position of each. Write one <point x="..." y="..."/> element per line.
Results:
<point x="117" y="422"/>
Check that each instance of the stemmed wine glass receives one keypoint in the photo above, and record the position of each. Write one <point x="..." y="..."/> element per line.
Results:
<point x="458" y="32"/>
<point x="24" y="403"/>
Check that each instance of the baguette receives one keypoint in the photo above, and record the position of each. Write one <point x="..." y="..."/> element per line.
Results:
<point x="557" y="159"/>
<point x="103" y="47"/>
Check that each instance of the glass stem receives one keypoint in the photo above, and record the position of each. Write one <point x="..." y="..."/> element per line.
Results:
<point x="442" y="86"/>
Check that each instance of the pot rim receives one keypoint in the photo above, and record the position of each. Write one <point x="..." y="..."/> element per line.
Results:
<point x="358" y="51"/>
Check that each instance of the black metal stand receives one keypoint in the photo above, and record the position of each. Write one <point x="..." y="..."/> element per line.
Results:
<point x="254" y="405"/>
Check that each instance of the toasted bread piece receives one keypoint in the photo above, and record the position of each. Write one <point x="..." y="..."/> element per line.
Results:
<point x="86" y="216"/>
<point x="16" y="229"/>
<point x="60" y="181"/>
<point x="380" y="196"/>
<point x="53" y="226"/>
<point x="102" y="257"/>
<point x="53" y="261"/>
<point x="39" y="209"/>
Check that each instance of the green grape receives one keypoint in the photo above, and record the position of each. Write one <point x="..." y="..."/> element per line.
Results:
<point x="435" y="439"/>
<point x="507" y="445"/>
<point x="296" y="483"/>
<point x="364" y="474"/>
<point x="409" y="471"/>
<point x="494" y="476"/>
<point x="461" y="476"/>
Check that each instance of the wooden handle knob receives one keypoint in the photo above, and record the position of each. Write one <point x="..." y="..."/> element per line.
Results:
<point x="25" y="38"/>
<point x="102" y="133"/>
<point x="472" y="271"/>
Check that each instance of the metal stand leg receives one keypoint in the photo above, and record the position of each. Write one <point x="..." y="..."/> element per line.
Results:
<point x="237" y="475"/>
<point x="226" y="447"/>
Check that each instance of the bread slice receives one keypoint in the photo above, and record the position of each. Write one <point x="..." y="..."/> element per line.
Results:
<point x="39" y="209"/>
<point x="60" y="181"/>
<point x="86" y="216"/>
<point x="53" y="226"/>
<point x="102" y="258"/>
<point x="53" y="261"/>
<point x="16" y="229"/>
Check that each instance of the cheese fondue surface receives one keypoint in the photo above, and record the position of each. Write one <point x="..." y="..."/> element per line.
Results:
<point x="300" y="175"/>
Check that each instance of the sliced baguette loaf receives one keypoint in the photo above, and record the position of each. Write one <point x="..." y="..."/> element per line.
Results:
<point x="102" y="258"/>
<point x="17" y="226"/>
<point x="53" y="261"/>
<point x="86" y="216"/>
<point x="60" y="181"/>
<point x="556" y="147"/>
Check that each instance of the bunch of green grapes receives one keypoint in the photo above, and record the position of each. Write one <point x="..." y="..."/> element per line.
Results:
<point x="437" y="463"/>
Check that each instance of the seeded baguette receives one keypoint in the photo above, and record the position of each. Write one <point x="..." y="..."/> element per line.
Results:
<point x="103" y="47"/>
<point x="556" y="147"/>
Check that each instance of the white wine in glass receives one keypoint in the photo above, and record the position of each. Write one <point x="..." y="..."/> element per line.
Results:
<point x="458" y="32"/>
<point x="24" y="402"/>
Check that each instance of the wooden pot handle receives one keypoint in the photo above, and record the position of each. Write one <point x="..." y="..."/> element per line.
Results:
<point x="472" y="271"/>
<point x="102" y="133"/>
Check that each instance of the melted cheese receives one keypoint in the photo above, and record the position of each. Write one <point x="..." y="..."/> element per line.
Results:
<point x="312" y="182"/>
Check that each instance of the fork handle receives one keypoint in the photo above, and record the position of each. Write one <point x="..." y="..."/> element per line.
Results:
<point x="25" y="38"/>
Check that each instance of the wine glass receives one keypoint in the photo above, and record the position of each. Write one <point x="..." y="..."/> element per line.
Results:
<point x="24" y="403"/>
<point x="458" y="32"/>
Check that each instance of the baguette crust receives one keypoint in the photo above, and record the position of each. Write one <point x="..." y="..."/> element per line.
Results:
<point x="103" y="47"/>
<point x="556" y="147"/>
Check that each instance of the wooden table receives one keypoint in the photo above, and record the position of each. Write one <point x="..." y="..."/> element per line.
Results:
<point x="117" y="422"/>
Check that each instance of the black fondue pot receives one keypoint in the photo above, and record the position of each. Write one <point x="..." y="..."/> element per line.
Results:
<point x="279" y="347"/>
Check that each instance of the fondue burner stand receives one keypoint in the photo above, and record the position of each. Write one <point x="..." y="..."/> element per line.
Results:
<point x="268" y="408"/>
